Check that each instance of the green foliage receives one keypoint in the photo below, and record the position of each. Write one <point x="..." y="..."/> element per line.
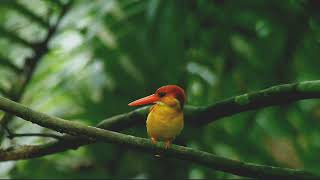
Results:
<point x="108" y="53"/>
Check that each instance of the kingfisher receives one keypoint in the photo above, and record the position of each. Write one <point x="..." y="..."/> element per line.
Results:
<point x="165" y="119"/>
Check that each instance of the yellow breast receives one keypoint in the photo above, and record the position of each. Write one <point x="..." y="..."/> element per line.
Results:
<point x="164" y="122"/>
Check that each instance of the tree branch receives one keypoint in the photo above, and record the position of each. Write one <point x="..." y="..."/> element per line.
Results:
<point x="12" y="135"/>
<point x="276" y="95"/>
<point x="15" y="135"/>
<point x="197" y="116"/>
<point x="31" y="63"/>
<point x="29" y="14"/>
<point x="6" y="62"/>
<point x="180" y="152"/>
<point x="5" y="33"/>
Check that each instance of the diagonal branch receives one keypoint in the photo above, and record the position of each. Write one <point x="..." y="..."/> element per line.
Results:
<point x="15" y="38"/>
<point x="31" y="63"/>
<point x="29" y="14"/>
<point x="180" y="152"/>
<point x="276" y="95"/>
<point x="7" y="63"/>
<point x="197" y="116"/>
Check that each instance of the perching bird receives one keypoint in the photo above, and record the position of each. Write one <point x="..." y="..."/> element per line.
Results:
<point x="165" y="119"/>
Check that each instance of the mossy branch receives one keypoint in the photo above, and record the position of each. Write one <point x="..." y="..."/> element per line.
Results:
<point x="264" y="98"/>
<point x="197" y="116"/>
<point x="180" y="152"/>
<point x="276" y="95"/>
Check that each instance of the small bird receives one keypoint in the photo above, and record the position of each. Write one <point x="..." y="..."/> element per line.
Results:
<point x="165" y="119"/>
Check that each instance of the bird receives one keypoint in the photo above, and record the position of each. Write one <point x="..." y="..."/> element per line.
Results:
<point x="165" y="120"/>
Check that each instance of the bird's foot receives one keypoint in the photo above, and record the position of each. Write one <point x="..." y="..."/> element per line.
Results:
<point x="168" y="143"/>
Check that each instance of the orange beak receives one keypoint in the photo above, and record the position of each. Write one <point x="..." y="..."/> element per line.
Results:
<point x="146" y="100"/>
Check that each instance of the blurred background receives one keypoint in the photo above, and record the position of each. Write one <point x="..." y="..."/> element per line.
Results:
<point x="106" y="53"/>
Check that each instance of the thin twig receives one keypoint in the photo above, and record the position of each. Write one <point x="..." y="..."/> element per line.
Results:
<point x="15" y="135"/>
<point x="12" y="135"/>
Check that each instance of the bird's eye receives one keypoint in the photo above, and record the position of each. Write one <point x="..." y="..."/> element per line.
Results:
<point x="161" y="94"/>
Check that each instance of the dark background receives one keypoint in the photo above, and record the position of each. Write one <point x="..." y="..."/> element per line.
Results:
<point x="107" y="53"/>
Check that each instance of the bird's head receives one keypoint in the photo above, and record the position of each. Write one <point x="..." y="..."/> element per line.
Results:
<point x="171" y="95"/>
